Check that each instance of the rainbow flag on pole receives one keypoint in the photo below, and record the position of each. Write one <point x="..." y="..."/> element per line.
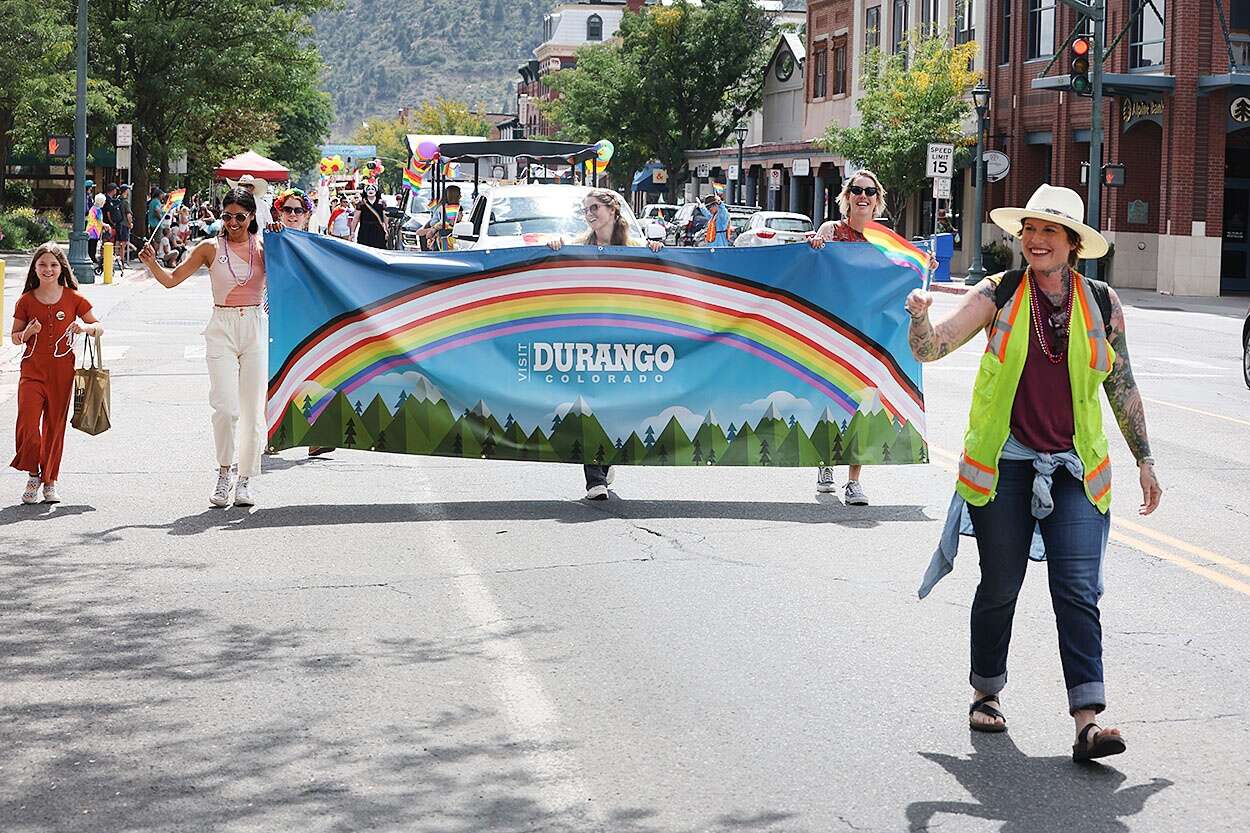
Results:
<point x="175" y="199"/>
<point x="897" y="249"/>
<point x="718" y="188"/>
<point x="413" y="174"/>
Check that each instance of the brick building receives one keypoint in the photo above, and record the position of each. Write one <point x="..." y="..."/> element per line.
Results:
<point x="1173" y="116"/>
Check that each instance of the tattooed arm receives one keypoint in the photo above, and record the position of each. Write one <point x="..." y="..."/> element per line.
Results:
<point x="931" y="342"/>
<point x="1126" y="404"/>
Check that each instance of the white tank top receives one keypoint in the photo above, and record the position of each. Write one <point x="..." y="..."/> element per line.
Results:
<point x="236" y="283"/>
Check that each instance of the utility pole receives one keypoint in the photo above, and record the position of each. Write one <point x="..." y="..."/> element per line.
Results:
<point x="84" y="269"/>
<point x="1093" y="200"/>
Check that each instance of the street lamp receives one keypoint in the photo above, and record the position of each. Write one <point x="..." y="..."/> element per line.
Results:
<point x="741" y="132"/>
<point x="981" y="101"/>
<point x="84" y="269"/>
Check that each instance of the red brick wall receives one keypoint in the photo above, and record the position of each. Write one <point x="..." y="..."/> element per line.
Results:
<point x="1141" y="150"/>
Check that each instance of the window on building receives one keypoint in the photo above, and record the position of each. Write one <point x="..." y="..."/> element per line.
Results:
<point x="820" y="72"/>
<point x="1004" y="50"/>
<point x="594" y="27"/>
<point x="546" y="27"/>
<point x="839" y="66"/>
<point x="1145" y="44"/>
<point x="898" y="25"/>
<point x="928" y="17"/>
<point x="872" y="28"/>
<point x="1041" y="28"/>
<point x="965" y="22"/>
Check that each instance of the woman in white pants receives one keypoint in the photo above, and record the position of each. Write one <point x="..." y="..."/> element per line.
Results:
<point x="236" y="339"/>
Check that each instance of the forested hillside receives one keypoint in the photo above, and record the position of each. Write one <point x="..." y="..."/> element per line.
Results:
<point x="385" y="54"/>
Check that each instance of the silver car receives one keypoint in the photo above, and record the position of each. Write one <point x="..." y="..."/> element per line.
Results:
<point x="772" y="228"/>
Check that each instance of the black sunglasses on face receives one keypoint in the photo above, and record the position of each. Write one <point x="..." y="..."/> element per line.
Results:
<point x="292" y="209"/>
<point x="857" y="190"/>
<point x="238" y="218"/>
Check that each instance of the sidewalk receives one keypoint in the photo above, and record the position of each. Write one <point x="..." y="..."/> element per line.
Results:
<point x="1231" y="307"/>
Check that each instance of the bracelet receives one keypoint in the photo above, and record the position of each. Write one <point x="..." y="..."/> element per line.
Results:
<point x="1146" y="461"/>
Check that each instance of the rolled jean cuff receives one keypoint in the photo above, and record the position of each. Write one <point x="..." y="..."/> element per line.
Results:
<point x="990" y="685"/>
<point x="1087" y="696"/>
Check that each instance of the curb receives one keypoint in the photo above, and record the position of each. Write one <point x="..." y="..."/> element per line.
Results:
<point x="950" y="287"/>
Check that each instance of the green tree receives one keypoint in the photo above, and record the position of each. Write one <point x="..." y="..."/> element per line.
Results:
<point x="911" y="98"/>
<point x="390" y="138"/>
<point x="447" y="117"/>
<point x="677" y="77"/>
<point x="303" y="124"/>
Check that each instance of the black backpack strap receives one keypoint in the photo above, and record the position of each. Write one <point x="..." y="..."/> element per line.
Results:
<point x="1005" y="286"/>
<point x="1102" y="296"/>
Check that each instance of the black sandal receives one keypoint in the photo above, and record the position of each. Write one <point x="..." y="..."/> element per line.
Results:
<point x="1100" y="747"/>
<point x="983" y="706"/>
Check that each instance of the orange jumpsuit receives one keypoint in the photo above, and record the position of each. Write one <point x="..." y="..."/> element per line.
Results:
<point x="45" y="387"/>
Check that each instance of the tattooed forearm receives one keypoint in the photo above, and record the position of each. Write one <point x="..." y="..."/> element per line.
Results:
<point x="1121" y="389"/>
<point x="929" y="343"/>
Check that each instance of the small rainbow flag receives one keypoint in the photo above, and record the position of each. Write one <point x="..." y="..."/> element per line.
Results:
<point x="451" y="170"/>
<point x="718" y="188"/>
<point x="897" y="249"/>
<point x="413" y="174"/>
<point x="175" y="199"/>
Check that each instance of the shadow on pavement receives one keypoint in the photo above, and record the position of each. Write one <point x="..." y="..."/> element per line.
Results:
<point x="562" y="511"/>
<point x="41" y="512"/>
<point x="1034" y="795"/>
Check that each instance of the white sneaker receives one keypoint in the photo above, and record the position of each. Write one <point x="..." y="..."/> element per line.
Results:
<point x="49" y="493"/>
<point x="597" y="493"/>
<point x="855" y="495"/>
<point x="31" y="493"/>
<point x="824" y="480"/>
<point x="242" y="494"/>
<point x="221" y="495"/>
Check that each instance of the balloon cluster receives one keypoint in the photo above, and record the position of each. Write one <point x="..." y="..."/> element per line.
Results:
<point x="603" y="155"/>
<point x="374" y="169"/>
<point x="427" y="150"/>
<point x="331" y="165"/>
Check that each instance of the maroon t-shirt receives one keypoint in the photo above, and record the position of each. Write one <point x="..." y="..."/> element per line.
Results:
<point x="1041" y="416"/>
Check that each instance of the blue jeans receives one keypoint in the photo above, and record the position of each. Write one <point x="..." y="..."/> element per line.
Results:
<point x="1076" y="538"/>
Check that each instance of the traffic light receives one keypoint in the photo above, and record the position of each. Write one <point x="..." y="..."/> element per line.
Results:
<point x="1079" y="78"/>
<point x="60" y="147"/>
<point x="1113" y="175"/>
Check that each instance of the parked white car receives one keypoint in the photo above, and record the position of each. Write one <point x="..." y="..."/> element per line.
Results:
<point x="771" y="228"/>
<point x="529" y="215"/>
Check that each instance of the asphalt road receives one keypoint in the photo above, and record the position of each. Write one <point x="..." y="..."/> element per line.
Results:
<point x="416" y="644"/>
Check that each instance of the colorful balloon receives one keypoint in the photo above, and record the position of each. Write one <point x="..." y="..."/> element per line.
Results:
<point x="427" y="150"/>
<point x="604" y="151"/>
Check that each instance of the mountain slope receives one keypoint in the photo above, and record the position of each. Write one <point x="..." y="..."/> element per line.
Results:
<point x="387" y="54"/>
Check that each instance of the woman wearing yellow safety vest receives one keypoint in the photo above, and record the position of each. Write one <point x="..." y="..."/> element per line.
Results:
<point x="1035" y="456"/>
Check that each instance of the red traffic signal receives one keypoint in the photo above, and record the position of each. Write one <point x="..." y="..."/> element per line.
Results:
<point x="1113" y="175"/>
<point x="60" y="147"/>
<point x="1079" y="76"/>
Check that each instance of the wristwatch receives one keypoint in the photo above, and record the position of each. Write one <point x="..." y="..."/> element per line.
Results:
<point x="1145" y="461"/>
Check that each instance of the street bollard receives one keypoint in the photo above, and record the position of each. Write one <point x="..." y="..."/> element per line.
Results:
<point x="108" y="262"/>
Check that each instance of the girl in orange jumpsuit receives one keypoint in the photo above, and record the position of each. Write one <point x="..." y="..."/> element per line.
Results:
<point x="45" y="320"/>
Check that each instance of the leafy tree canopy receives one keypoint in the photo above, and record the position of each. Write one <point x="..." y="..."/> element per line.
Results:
<point x="677" y="78"/>
<point x="911" y="98"/>
<point x="450" y="118"/>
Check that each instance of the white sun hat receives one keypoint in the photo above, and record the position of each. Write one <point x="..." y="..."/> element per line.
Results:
<point x="259" y="186"/>
<point x="1054" y="205"/>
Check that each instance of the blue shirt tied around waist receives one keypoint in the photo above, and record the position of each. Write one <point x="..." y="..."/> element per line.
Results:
<point x="959" y="522"/>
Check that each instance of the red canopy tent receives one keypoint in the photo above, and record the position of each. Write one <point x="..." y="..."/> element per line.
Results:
<point x="250" y="162"/>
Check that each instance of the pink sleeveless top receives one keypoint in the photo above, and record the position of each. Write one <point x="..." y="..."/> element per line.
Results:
<point x="236" y="283"/>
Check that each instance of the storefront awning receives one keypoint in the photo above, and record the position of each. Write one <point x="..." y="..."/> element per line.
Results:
<point x="1238" y="78"/>
<point x="1115" y="83"/>
<point x="644" y="180"/>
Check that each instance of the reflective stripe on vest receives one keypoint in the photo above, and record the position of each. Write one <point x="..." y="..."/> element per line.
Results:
<point x="1098" y="481"/>
<point x="975" y="476"/>
<point x="1095" y="329"/>
<point x="1003" y="326"/>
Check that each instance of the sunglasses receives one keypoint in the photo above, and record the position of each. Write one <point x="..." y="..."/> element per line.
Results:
<point x="292" y="209"/>
<point x="858" y="191"/>
<point x="592" y="209"/>
<point x="238" y="218"/>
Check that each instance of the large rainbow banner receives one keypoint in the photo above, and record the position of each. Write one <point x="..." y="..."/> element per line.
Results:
<point x="769" y="356"/>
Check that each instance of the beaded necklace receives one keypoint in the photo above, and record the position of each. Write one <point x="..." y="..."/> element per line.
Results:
<point x="1036" y="310"/>
<point x="251" y="250"/>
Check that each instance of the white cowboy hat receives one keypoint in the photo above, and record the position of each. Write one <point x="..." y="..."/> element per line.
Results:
<point x="259" y="186"/>
<point x="1054" y="205"/>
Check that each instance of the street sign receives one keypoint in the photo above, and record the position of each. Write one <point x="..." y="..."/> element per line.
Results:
<point x="179" y="165"/>
<point x="60" y="147"/>
<point x="941" y="187"/>
<point x="125" y="135"/>
<point x="704" y="170"/>
<point x="802" y="167"/>
<point x="774" y="179"/>
<point x="123" y="158"/>
<point x="940" y="160"/>
<point x="659" y="176"/>
<point x="733" y="172"/>
<point x="1239" y="109"/>
<point x="997" y="165"/>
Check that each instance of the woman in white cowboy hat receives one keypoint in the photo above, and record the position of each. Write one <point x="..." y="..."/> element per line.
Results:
<point x="1035" y="457"/>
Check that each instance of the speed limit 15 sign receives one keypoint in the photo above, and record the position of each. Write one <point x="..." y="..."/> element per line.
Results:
<point x="940" y="160"/>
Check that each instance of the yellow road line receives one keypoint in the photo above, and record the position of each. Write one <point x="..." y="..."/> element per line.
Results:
<point x="1196" y="411"/>
<point x="1152" y="549"/>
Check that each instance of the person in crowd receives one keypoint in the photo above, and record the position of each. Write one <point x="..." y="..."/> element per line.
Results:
<point x="339" y="225"/>
<point x="259" y="189"/>
<point x="96" y="224"/>
<point x="607" y="227"/>
<point x="156" y="209"/>
<point x="124" y="225"/>
<point x="294" y="209"/>
<point x="182" y="229"/>
<point x="236" y="340"/>
<point x="443" y="217"/>
<point x="369" y="222"/>
<point x="716" y="232"/>
<point x="1035" y="457"/>
<point x="861" y="200"/>
<point x="166" y="252"/>
<point x="45" y="320"/>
